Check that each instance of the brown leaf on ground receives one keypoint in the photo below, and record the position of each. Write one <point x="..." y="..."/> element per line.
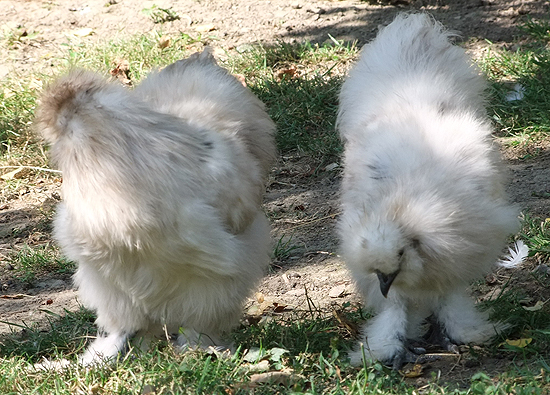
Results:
<point x="282" y="378"/>
<point x="345" y="323"/>
<point x="260" y="297"/>
<point x="16" y="296"/>
<point x="337" y="291"/>
<point x="415" y="371"/>
<point x="121" y="72"/>
<point x="287" y="72"/>
<point x="86" y="31"/>
<point x="279" y="307"/>
<point x="164" y="42"/>
<point x="16" y="174"/>
<point x="205" y="28"/>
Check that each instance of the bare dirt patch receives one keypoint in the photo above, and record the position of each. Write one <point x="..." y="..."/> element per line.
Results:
<point x="302" y="198"/>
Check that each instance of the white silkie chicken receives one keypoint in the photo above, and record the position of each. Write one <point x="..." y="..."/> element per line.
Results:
<point x="162" y="189"/>
<point x="424" y="207"/>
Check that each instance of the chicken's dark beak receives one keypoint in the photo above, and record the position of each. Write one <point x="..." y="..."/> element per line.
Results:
<point x="386" y="281"/>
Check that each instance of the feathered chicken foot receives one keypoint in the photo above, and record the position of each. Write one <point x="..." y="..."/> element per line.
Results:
<point x="437" y="335"/>
<point x="410" y="354"/>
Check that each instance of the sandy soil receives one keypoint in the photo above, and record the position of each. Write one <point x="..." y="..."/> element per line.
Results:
<point x="302" y="204"/>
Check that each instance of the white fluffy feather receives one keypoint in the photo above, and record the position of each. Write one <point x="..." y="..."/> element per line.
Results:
<point x="423" y="193"/>
<point x="516" y="255"/>
<point x="162" y="189"/>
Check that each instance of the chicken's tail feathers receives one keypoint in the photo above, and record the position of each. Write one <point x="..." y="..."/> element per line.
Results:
<point x="198" y="89"/>
<point x="205" y="57"/>
<point x="417" y="37"/>
<point x="419" y="47"/>
<point x="61" y="98"/>
<point x="412" y="65"/>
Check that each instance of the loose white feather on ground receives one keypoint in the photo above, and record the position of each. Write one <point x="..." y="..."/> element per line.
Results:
<point x="424" y="207"/>
<point x="516" y="255"/>
<point x="162" y="189"/>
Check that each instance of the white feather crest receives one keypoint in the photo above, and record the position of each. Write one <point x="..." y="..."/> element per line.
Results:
<point x="516" y="255"/>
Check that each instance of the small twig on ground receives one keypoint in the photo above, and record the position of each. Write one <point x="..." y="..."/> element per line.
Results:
<point x="456" y="364"/>
<point x="31" y="168"/>
<point x="305" y="223"/>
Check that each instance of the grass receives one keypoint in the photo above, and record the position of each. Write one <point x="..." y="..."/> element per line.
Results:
<point x="299" y="83"/>
<point x="161" y="15"/>
<point x="312" y="362"/>
<point x="32" y="262"/>
<point x="63" y="335"/>
<point x="303" y="104"/>
<point x="537" y="234"/>
<point x="17" y="104"/>
<point x="528" y="69"/>
<point x="283" y="248"/>
<point x="304" y="111"/>
<point x="143" y="53"/>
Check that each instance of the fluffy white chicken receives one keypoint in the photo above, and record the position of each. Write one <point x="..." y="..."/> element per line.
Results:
<point x="162" y="189"/>
<point x="424" y="207"/>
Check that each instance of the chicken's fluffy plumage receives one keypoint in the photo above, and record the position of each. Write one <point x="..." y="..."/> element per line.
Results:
<point x="162" y="189"/>
<point x="423" y="196"/>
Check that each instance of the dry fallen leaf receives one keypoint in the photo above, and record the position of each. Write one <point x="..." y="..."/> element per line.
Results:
<point x="83" y="32"/>
<point x="415" y="371"/>
<point x="164" y="42"/>
<point x="290" y="72"/>
<point x="261" y="366"/>
<point x="286" y="378"/>
<point x="122" y="72"/>
<point x="254" y="310"/>
<point x="539" y="305"/>
<point x="14" y="174"/>
<point x="16" y="296"/>
<point x="521" y="343"/>
<point x="337" y="291"/>
<point x="279" y="307"/>
<point x="338" y="372"/>
<point x="266" y="305"/>
<point x="343" y="321"/>
<point x="205" y="28"/>
<point x="260" y="297"/>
